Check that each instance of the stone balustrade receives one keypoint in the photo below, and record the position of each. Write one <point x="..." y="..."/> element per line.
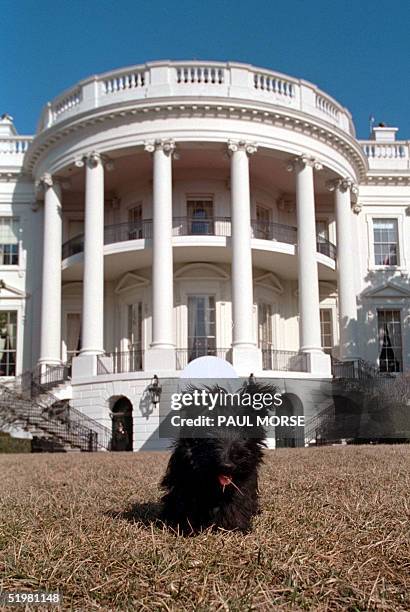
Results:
<point x="387" y="155"/>
<point x="191" y="79"/>
<point x="12" y="150"/>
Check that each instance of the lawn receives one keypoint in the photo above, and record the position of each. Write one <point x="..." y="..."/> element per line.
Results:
<point x="333" y="534"/>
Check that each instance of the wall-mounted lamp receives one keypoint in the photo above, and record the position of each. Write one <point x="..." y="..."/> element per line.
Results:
<point x="155" y="390"/>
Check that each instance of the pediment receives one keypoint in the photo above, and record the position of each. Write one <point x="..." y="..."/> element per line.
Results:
<point x="8" y="292"/>
<point x="269" y="280"/>
<point x="129" y="281"/>
<point x="201" y="271"/>
<point x="388" y="290"/>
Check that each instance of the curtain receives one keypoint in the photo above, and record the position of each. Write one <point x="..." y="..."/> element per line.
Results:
<point x="73" y="332"/>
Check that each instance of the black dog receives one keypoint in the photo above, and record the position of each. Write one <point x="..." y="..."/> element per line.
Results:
<point x="213" y="481"/>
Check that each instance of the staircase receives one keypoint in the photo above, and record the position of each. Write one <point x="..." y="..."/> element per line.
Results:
<point x="319" y="429"/>
<point x="28" y="403"/>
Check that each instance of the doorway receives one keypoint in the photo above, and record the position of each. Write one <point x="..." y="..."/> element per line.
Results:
<point x="122" y="425"/>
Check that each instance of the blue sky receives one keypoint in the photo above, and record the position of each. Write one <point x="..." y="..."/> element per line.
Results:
<point x="356" y="50"/>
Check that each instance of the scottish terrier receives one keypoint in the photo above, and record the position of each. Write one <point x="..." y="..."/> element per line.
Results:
<point x="212" y="481"/>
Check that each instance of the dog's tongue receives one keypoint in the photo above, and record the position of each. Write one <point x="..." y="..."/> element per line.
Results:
<point x="224" y="480"/>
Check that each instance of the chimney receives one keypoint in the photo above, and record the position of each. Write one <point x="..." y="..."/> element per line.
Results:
<point x="383" y="133"/>
<point x="7" y="126"/>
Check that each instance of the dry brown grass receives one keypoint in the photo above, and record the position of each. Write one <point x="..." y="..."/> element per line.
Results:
<point x="333" y="534"/>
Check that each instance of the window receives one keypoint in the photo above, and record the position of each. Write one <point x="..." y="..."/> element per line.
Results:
<point x="135" y="222"/>
<point x="135" y="336"/>
<point x="134" y="325"/>
<point x="326" y="329"/>
<point x="201" y="326"/>
<point x="265" y="326"/>
<point x="73" y="334"/>
<point x="390" y="345"/>
<point x="322" y="230"/>
<point x="265" y="335"/>
<point x="8" y="342"/>
<point x="200" y="217"/>
<point x="9" y="244"/>
<point x="385" y="237"/>
<point x="262" y="229"/>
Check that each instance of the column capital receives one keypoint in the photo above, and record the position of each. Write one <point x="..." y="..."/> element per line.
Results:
<point x="242" y="145"/>
<point x="45" y="181"/>
<point x="93" y="159"/>
<point x="302" y="161"/>
<point x="342" y="184"/>
<point x="165" y="145"/>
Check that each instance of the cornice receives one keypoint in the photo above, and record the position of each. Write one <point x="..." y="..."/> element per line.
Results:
<point x="385" y="179"/>
<point x="256" y="112"/>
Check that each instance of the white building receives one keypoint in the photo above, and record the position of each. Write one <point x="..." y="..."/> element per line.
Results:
<point x="175" y="209"/>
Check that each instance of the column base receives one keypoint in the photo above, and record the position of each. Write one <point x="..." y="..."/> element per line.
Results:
<point x="319" y="363"/>
<point x="159" y="359"/>
<point x="84" y="366"/>
<point x="43" y="363"/>
<point x="246" y="359"/>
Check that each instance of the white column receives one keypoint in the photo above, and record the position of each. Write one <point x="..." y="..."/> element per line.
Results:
<point x="50" y="342"/>
<point x="93" y="279"/>
<point x="161" y="355"/>
<point x="308" y="279"/>
<point x="345" y="269"/>
<point x="245" y="354"/>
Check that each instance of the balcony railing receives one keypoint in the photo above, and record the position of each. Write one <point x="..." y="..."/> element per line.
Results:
<point x="284" y="361"/>
<point x="52" y="376"/>
<point x="190" y="226"/>
<point x="120" y="362"/>
<point x="186" y="355"/>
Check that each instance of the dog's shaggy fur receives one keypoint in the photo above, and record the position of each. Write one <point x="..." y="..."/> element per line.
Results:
<point x="213" y="481"/>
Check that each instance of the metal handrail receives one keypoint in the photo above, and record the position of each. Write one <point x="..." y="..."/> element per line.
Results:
<point x="283" y="361"/>
<point x="27" y="388"/>
<point x="278" y="232"/>
<point x="51" y="376"/>
<point x="194" y="226"/>
<point x="186" y="355"/>
<point x="31" y="415"/>
<point x="120" y="362"/>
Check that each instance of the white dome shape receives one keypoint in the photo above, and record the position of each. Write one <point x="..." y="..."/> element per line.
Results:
<point x="209" y="367"/>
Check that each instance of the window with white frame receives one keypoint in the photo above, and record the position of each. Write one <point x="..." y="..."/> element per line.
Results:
<point x="73" y="341"/>
<point x="134" y="322"/>
<point x="135" y="222"/>
<point x="385" y="242"/>
<point x="322" y="230"/>
<point x="8" y="342"/>
<point x="390" y="340"/>
<point x="201" y="326"/>
<point x="265" y="325"/>
<point x="326" y="329"/>
<point x="262" y="228"/>
<point x="200" y="216"/>
<point x="9" y="243"/>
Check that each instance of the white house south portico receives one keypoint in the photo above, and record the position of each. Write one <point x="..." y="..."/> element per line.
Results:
<point x="193" y="209"/>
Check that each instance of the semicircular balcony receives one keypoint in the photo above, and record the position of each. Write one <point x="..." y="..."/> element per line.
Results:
<point x="191" y="232"/>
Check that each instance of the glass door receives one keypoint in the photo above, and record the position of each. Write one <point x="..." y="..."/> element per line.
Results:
<point x="134" y="336"/>
<point x="200" y="217"/>
<point x="201" y="326"/>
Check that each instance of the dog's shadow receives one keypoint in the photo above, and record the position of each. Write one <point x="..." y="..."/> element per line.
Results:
<point x="145" y="513"/>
